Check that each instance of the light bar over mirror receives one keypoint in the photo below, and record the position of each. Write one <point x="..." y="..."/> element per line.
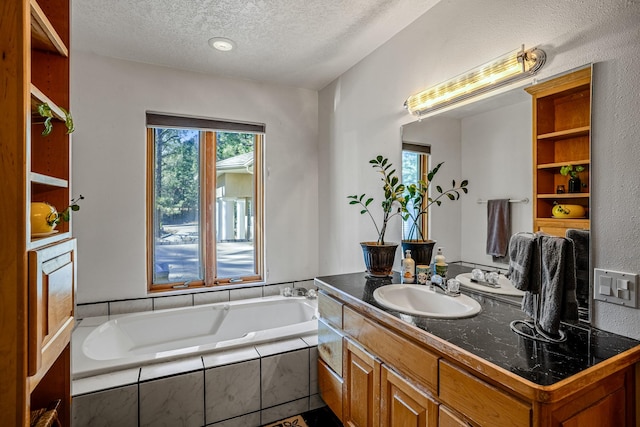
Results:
<point x="506" y="69"/>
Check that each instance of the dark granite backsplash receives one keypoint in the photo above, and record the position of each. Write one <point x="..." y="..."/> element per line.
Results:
<point x="489" y="336"/>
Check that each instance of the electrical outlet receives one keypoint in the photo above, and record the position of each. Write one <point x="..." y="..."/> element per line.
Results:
<point x="616" y="287"/>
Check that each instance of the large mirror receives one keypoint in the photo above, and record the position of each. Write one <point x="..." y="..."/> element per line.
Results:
<point x="489" y="143"/>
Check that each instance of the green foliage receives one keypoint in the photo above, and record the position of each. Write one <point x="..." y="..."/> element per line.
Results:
<point x="65" y="215"/>
<point x="177" y="169"/>
<point x="416" y="201"/>
<point x="392" y="188"/>
<point x="177" y="180"/>
<point x="231" y="144"/>
<point x="68" y="121"/>
<point x="570" y="170"/>
<point x="45" y="111"/>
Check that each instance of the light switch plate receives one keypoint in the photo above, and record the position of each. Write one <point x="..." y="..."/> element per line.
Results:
<point x="616" y="287"/>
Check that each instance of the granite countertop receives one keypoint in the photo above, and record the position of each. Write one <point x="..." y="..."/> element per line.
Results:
<point x="489" y="336"/>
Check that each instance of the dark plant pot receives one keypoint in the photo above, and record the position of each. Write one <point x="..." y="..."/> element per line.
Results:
<point x="379" y="258"/>
<point x="421" y="250"/>
<point x="574" y="185"/>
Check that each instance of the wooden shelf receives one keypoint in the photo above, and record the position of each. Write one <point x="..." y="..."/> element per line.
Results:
<point x="560" y="164"/>
<point x="37" y="98"/>
<point x="560" y="220"/>
<point x="565" y="134"/>
<point x="38" y="178"/>
<point x="564" y="196"/>
<point x="43" y="35"/>
<point x="561" y="136"/>
<point x="38" y="242"/>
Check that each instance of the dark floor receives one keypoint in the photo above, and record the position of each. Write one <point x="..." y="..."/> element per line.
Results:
<point x="322" y="417"/>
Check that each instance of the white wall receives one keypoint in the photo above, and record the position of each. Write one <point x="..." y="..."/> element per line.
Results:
<point x="361" y="113"/>
<point x="496" y="159"/>
<point x="109" y="99"/>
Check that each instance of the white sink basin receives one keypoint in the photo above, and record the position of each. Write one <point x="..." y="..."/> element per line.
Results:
<point x="419" y="300"/>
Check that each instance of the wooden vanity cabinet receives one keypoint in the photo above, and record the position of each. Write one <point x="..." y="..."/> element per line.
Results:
<point x="362" y="387"/>
<point x="404" y="404"/>
<point x="389" y="379"/>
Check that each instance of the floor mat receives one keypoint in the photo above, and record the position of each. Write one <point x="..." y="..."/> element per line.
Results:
<point x="296" y="421"/>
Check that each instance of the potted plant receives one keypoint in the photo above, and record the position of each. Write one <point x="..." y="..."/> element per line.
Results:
<point x="380" y="255"/>
<point x="415" y="205"/>
<point x="44" y="216"/>
<point x="45" y="112"/>
<point x="574" y="180"/>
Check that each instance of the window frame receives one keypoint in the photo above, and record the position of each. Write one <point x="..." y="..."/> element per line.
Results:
<point x="424" y="153"/>
<point x="207" y="201"/>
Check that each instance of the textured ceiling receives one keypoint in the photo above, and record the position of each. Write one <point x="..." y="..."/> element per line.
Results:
<point x="301" y="43"/>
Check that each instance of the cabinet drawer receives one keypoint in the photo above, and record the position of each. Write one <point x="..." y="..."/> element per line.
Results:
<point x="330" y="310"/>
<point x="412" y="360"/>
<point x="330" y="388"/>
<point x="52" y="273"/>
<point x="330" y="346"/>
<point x="481" y="402"/>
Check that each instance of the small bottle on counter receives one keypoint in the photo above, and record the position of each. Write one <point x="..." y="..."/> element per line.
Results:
<point x="408" y="268"/>
<point x="441" y="265"/>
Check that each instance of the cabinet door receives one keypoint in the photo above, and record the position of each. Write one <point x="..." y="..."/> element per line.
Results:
<point x="362" y="387"/>
<point x="446" y="418"/>
<point x="608" y="412"/>
<point x="52" y="273"/>
<point x="403" y="404"/>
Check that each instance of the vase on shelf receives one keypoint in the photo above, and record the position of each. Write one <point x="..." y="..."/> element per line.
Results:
<point x="574" y="185"/>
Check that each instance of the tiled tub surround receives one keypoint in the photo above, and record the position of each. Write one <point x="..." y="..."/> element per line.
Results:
<point x="135" y="339"/>
<point x="186" y="298"/>
<point x="248" y="386"/>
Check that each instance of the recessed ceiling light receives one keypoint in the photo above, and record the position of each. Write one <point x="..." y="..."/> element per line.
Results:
<point x="222" y="43"/>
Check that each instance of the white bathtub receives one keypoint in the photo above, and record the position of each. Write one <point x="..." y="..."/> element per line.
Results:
<point x="141" y="338"/>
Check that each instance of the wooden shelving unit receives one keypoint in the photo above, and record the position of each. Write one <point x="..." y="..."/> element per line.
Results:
<point x="561" y="136"/>
<point x="38" y="281"/>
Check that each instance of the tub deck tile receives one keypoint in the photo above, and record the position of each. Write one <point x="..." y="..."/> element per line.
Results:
<point x="167" y="369"/>
<point x="228" y="357"/>
<point x="269" y="349"/>
<point x="105" y="381"/>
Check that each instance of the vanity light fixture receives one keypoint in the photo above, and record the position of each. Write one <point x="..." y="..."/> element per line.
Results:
<point x="222" y="43"/>
<point x="506" y="69"/>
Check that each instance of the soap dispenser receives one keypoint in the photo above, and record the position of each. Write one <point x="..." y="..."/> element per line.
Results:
<point x="441" y="265"/>
<point x="408" y="268"/>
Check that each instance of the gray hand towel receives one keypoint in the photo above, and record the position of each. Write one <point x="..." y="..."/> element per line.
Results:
<point x="581" y="246"/>
<point x="498" y="227"/>
<point x="557" y="283"/>
<point x="521" y="259"/>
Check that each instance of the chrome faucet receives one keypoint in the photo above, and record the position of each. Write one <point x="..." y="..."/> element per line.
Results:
<point x="299" y="292"/>
<point x="437" y="281"/>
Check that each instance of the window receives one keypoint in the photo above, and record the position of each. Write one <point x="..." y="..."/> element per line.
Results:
<point x="204" y="204"/>
<point x="415" y="167"/>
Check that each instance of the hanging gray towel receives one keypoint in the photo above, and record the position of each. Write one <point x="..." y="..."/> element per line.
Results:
<point x="498" y="227"/>
<point x="557" y="283"/>
<point x="521" y="261"/>
<point x="581" y="246"/>
<point x="524" y="268"/>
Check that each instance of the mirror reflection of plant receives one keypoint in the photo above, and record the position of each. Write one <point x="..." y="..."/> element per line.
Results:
<point x="65" y="215"/>
<point x="570" y="170"/>
<point x="393" y="190"/>
<point x="416" y="201"/>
